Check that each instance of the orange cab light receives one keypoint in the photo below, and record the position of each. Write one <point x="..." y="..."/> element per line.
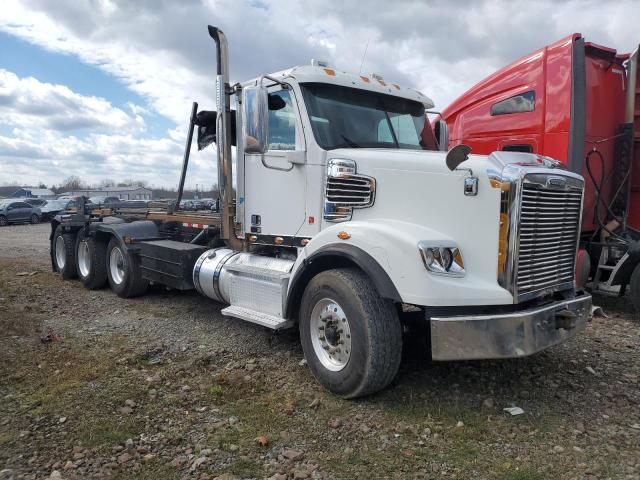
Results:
<point x="344" y="235"/>
<point x="364" y="79"/>
<point x="330" y="72"/>
<point x="278" y="240"/>
<point x="382" y="83"/>
<point x="253" y="238"/>
<point x="304" y="242"/>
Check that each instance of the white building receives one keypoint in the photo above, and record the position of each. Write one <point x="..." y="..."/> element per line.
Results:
<point x="123" y="193"/>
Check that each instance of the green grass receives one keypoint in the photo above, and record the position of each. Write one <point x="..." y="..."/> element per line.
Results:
<point x="107" y="432"/>
<point x="522" y="475"/>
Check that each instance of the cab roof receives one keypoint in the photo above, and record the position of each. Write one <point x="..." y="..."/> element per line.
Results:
<point x="373" y="83"/>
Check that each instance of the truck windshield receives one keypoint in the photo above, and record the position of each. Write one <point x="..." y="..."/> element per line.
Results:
<point x="349" y="117"/>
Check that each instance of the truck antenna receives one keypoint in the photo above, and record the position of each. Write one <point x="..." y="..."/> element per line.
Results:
<point x="364" y="55"/>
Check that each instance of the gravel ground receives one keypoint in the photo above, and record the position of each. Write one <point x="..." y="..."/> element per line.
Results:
<point x="163" y="386"/>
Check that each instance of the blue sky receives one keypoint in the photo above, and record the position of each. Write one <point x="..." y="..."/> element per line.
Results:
<point x="103" y="90"/>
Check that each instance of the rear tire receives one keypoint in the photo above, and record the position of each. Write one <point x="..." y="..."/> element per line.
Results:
<point x="3" y="221"/>
<point x="91" y="262"/>
<point x="63" y="253"/>
<point x="123" y="271"/>
<point x="351" y="337"/>
<point x="634" y="288"/>
<point x="34" y="219"/>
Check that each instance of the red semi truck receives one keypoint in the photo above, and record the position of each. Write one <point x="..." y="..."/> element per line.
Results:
<point x="577" y="102"/>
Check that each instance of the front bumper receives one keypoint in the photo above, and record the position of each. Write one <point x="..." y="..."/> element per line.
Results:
<point x="510" y="335"/>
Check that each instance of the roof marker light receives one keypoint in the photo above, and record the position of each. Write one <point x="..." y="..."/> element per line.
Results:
<point x="364" y="79"/>
<point x="330" y="72"/>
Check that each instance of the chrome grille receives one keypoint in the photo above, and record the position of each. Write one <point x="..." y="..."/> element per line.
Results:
<point x="548" y="234"/>
<point x="353" y="191"/>
<point x="346" y="190"/>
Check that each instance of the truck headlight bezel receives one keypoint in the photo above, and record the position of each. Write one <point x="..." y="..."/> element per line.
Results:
<point x="442" y="259"/>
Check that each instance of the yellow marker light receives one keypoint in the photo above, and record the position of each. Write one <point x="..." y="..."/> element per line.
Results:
<point x="344" y="235"/>
<point x="365" y="79"/>
<point x="304" y="242"/>
<point x="253" y="238"/>
<point x="278" y="240"/>
<point x="330" y="72"/>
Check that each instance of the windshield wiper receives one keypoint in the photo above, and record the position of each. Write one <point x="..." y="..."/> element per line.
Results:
<point x="350" y="143"/>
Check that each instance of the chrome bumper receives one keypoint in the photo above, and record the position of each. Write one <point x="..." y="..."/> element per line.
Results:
<point x="511" y="335"/>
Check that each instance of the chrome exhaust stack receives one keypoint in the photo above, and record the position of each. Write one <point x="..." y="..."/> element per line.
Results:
<point x="223" y="138"/>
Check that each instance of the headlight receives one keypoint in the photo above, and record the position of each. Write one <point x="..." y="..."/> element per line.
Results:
<point x="442" y="260"/>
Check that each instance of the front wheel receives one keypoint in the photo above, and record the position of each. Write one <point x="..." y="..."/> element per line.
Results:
<point x="351" y="337"/>
<point x="123" y="271"/>
<point x="3" y="221"/>
<point x="34" y="219"/>
<point x="634" y="288"/>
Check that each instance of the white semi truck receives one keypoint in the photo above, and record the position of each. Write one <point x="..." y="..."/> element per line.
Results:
<point x="344" y="216"/>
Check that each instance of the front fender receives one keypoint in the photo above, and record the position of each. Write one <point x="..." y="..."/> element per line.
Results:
<point x="393" y="245"/>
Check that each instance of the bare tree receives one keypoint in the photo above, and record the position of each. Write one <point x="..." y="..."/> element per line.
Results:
<point x="107" y="182"/>
<point x="72" y="183"/>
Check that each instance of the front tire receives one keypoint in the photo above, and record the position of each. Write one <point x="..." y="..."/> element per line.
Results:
<point x="63" y="253"/>
<point x="634" y="288"/>
<point x="123" y="271"/>
<point x="351" y="337"/>
<point x="34" y="219"/>
<point x="3" y="221"/>
<point x="91" y="262"/>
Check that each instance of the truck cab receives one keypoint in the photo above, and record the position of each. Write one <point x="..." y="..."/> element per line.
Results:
<point x="346" y="220"/>
<point x="579" y="103"/>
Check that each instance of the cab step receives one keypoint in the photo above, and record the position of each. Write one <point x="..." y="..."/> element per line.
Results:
<point x="259" y="318"/>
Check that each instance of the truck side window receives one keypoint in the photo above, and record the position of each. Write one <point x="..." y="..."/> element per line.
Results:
<point x="282" y="121"/>
<point x="523" y="147"/>
<point x="523" y="102"/>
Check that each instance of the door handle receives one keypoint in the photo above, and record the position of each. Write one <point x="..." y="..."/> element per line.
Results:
<point x="294" y="157"/>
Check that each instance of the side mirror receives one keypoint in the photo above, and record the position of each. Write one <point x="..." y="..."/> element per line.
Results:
<point x="442" y="134"/>
<point x="255" y="119"/>
<point x="457" y="155"/>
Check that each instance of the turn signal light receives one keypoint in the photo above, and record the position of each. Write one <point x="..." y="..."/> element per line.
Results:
<point x="344" y="235"/>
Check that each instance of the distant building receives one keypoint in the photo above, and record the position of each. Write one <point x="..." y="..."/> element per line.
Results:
<point x="123" y="193"/>
<point x="28" y="192"/>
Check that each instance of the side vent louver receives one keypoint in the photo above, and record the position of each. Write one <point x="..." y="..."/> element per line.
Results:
<point x="346" y="190"/>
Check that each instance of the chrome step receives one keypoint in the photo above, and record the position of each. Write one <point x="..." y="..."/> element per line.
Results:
<point x="259" y="318"/>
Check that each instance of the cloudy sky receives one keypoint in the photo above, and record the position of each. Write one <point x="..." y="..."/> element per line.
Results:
<point x="103" y="88"/>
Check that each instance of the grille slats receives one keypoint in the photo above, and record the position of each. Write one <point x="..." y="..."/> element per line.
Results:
<point x="548" y="229"/>
<point x="351" y="191"/>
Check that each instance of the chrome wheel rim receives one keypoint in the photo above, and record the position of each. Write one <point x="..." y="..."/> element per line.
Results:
<point x="116" y="265"/>
<point x="84" y="260"/>
<point x="60" y="252"/>
<point x="330" y="334"/>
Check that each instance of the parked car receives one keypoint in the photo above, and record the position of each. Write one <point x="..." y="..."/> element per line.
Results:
<point x="36" y="202"/>
<point x="52" y="207"/>
<point x="18" y="212"/>
<point x="187" y="205"/>
<point x="105" y="201"/>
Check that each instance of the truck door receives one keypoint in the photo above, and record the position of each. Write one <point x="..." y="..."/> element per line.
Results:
<point x="275" y="188"/>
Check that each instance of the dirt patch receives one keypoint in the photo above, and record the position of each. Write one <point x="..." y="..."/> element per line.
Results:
<point x="164" y="387"/>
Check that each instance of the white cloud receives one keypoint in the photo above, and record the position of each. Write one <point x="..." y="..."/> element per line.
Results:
<point x="29" y="103"/>
<point x="161" y="51"/>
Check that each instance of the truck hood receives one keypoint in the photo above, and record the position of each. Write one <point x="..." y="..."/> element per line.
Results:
<point x="434" y="161"/>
